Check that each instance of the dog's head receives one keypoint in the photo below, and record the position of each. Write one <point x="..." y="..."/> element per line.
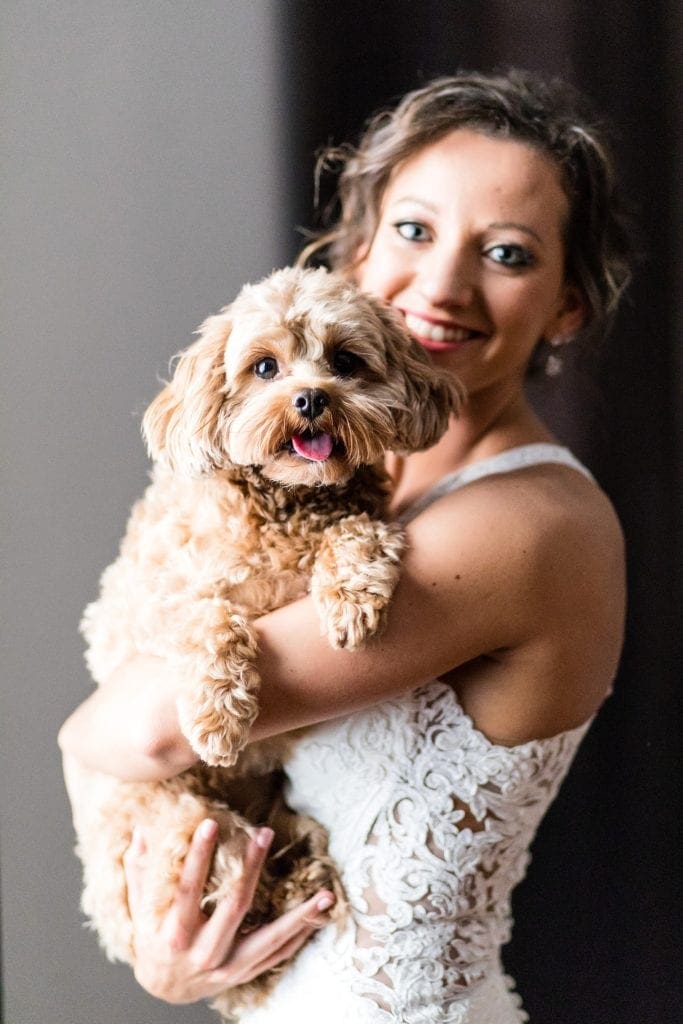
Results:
<point x="304" y="376"/>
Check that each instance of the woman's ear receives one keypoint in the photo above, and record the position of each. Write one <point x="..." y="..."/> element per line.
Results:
<point x="570" y="316"/>
<point x="185" y="422"/>
<point x="429" y="396"/>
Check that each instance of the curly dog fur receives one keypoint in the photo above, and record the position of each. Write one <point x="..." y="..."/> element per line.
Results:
<point x="265" y="486"/>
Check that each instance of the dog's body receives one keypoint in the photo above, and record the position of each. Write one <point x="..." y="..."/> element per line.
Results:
<point x="263" y="490"/>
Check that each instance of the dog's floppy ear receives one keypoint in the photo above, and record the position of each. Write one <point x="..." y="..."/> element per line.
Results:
<point x="431" y="395"/>
<point x="184" y="421"/>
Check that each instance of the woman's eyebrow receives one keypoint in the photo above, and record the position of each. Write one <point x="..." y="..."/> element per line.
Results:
<point x="504" y="225"/>
<point x="414" y="199"/>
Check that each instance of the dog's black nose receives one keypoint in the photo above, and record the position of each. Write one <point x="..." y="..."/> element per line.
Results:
<point x="311" y="402"/>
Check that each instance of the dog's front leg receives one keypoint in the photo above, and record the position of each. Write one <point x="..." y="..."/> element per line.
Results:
<point x="354" y="576"/>
<point x="219" y="699"/>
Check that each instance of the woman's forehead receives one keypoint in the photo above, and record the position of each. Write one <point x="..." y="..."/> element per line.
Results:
<point x="471" y="169"/>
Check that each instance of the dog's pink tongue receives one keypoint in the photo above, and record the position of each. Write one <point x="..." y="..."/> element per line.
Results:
<point x="318" y="447"/>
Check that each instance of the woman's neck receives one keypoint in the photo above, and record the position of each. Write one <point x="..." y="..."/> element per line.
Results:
<point x="484" y="428"/>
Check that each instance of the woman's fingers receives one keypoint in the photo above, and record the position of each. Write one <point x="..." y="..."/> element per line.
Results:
<point x="274" y="942"/>
<point x="219" y="933"/>
<point x="280" y="955"/>
<point x="241" y="970"/>
<point x="185" y="913"/>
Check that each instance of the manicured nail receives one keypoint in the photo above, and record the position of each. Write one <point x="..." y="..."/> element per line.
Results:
<point x="264" y="837"/>
<point x="325" y="902"/>
<point x="208" y="828"/>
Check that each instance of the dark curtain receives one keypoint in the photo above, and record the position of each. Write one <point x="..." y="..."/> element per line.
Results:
<point x="596" y="932"/>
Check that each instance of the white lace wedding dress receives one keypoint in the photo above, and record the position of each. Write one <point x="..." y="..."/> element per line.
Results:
<point x="430" y="824"/>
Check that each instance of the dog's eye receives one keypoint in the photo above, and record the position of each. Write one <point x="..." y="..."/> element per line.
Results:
<point x="345" y="363"/>
<point x="266" y="368"/>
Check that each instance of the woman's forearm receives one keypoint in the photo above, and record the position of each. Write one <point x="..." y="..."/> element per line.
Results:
<point x="129" y="726"/>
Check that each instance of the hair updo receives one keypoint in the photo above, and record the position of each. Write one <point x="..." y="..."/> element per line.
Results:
<point x="517" y="105"/>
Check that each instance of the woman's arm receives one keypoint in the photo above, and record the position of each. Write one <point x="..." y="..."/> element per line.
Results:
<point x="444" y="612"/>
<point x="129" y="727"/>
<point x="492" y="570"/>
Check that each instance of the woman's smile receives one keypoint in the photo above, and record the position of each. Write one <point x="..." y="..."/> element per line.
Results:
<point x="439" y="335"/>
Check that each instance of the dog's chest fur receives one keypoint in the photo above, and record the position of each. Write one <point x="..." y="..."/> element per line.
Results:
<point x="232" y="536"/>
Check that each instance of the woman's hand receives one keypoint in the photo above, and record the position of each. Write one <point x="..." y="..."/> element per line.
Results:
<point x="191" y="956"/>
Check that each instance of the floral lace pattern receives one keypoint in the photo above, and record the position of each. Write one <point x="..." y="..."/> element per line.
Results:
<point x="431" y="825"/>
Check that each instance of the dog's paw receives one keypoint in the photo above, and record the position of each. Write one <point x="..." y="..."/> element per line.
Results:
<point x="349" y="620"/>
<point x="216" y="719"/>
<point x="353" y="579"/>
<point x="220" y="702"/>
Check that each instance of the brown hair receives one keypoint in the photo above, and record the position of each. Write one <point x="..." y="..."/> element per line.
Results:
<point x="517" y="105"/>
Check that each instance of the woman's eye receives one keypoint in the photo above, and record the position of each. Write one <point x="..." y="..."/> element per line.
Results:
<point x="345" y="363"/>
<point x="412" y="230"/>
<point x="510" y="255"/>
<point x="266" y="368"/>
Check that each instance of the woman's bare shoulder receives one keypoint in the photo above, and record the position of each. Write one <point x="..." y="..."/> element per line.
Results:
<point x="545" y="551"/>
<point x="539" y="511"/>
<point x="544" y="539"/>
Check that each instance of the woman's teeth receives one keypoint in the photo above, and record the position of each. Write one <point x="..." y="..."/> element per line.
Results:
<point x="436" y="332"/>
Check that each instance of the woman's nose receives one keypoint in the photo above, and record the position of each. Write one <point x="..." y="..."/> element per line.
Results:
<point x="447" y="280"/>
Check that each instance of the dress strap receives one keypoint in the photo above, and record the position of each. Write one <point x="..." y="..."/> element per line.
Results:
<point x="505" y="462"/>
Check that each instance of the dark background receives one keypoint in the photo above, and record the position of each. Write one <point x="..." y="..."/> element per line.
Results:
<point x="596" y="931"/>
<point x="156" y="156"/>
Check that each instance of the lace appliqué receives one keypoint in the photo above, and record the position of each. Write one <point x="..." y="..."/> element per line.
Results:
<point x="431" y="825"/>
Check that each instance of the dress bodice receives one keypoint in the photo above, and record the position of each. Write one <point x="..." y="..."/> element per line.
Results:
<point x="430" y="824"/>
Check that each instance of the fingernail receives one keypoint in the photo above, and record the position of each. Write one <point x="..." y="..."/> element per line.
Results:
<point x="264" y="837"/>
<point x="208" y="828"/>
<point x="325" y="902"/>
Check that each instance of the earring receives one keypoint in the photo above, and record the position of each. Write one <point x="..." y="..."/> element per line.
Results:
<point x="554" y="363"/>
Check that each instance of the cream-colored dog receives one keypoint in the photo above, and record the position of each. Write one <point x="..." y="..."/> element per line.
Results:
<point x="265" y="486"/>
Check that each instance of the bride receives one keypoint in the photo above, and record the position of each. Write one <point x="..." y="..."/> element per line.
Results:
<point x="482" y="209"/>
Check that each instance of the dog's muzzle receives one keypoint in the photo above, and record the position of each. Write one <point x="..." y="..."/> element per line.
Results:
<point x="311" y="402"/>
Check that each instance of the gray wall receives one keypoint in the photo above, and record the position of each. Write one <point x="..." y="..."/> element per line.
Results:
<point x="141" y="154"/>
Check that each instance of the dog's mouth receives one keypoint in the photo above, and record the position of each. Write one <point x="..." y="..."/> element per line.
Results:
<point x="312" y="445"/>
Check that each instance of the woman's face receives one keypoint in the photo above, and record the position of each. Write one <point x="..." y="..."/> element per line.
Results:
<point x="469" y="247"/>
